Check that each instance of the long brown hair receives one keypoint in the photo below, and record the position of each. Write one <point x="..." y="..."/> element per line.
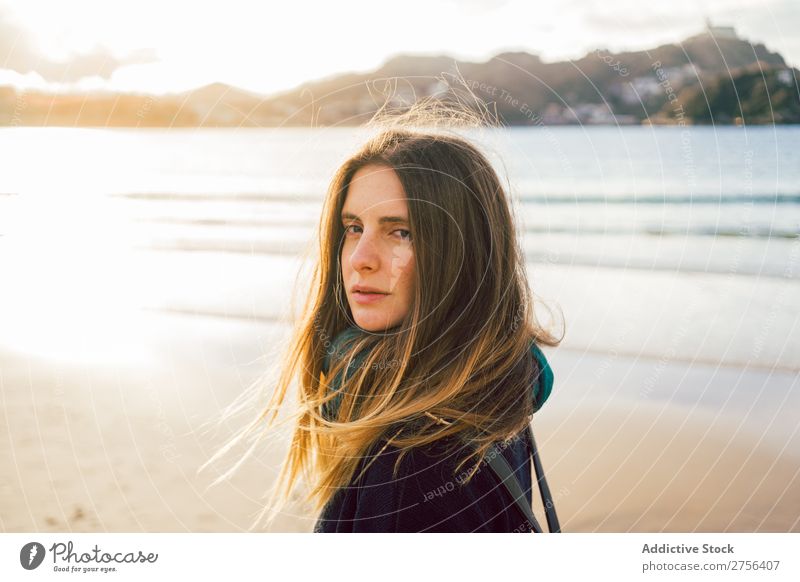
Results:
<point x="458" y="366"/>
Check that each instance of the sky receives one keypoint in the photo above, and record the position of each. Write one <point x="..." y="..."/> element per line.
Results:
<point x="159" y="46"/>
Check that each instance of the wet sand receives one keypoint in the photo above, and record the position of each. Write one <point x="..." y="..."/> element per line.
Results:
<point x="115" y="446"/>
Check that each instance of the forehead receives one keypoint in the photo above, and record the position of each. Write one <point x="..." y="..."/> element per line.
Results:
<point x="375" y="189"/>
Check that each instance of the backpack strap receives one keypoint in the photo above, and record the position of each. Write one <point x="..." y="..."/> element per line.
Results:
<point x="544" y="489"/>
<point x="503" y="470"/>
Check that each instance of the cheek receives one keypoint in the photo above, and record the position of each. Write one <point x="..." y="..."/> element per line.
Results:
<point x="403" y="267"/>
<point x="344" y="259"/>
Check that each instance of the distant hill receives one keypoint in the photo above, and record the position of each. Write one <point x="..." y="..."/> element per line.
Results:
<point x="601" y="87"/>
<point x="667" y="84"/>
<point x="752" y="96"/>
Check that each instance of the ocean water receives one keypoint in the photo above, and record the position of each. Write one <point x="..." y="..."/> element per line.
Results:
<point x="212" y="221"/>
<point x="700" y="198"/>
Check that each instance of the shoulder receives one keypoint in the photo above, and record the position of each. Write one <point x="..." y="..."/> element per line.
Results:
<point x="424" y="490"/>
<point x="374" y="499"/>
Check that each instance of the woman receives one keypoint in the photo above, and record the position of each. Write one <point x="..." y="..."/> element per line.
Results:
<point x="417" y="352"/>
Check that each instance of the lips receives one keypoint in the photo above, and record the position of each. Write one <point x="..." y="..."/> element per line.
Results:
<point x="367" y="294"/>
<point x="365" y="290"/>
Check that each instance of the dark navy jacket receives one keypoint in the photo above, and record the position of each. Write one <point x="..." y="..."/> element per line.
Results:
<point x="428" y="494"/>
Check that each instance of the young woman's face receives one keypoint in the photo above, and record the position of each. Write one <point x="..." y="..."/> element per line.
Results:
<point x="377" y="252"/>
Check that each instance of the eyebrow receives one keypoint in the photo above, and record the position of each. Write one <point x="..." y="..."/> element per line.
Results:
<point x="381" y="220"/>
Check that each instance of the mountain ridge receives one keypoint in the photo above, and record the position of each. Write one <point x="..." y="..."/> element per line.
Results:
<point x="660" y="85"/>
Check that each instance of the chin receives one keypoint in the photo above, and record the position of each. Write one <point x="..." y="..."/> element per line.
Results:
<point x="373" y="322"/>
<point x="369" y="324"/>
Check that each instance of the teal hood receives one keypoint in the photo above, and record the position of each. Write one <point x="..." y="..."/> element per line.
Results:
<point x="540" y="389"/>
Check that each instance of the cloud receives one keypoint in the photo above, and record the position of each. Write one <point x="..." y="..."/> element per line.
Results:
<point x="18" y="53"/>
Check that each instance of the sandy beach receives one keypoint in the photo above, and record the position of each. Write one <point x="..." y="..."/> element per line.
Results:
<point x="115" y="447"/>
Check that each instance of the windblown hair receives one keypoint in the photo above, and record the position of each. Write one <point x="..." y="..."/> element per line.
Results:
<point x="458" y="366"/>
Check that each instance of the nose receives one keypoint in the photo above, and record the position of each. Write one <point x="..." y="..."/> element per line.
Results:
<point x="366" y="255"/>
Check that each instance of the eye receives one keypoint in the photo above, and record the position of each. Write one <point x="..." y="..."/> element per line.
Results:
<point x="406" y="236"/>
<point x="348" y="227"/>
